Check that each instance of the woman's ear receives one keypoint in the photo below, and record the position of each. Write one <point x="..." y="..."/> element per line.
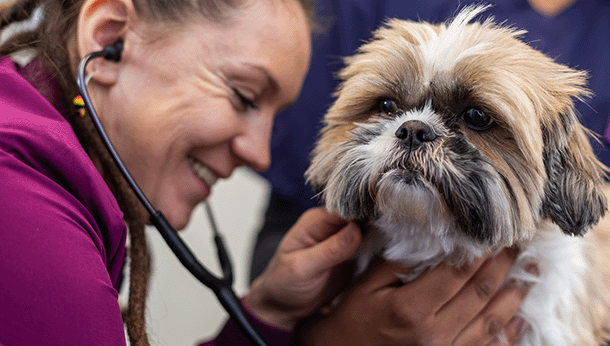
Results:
<point x="101" y="23"/>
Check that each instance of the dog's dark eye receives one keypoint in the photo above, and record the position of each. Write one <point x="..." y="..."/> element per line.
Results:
<point x="476" y="119"/>
<point x="388" y="106"/>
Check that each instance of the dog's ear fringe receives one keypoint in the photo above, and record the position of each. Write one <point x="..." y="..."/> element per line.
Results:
<point x="574" y="199"/>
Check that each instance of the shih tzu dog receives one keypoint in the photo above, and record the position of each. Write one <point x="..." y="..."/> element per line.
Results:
<point x="457" y="139"/>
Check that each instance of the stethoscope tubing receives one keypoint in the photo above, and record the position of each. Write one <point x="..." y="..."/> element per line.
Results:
<point x="221" y="286"/>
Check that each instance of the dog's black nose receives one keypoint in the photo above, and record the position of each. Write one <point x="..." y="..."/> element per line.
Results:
<point x="414" y="133"/>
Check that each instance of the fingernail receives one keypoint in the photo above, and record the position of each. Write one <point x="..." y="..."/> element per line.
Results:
<point x="518" y="324"/>
<point x="532" y="268"/>
<point x="522" y="325"/>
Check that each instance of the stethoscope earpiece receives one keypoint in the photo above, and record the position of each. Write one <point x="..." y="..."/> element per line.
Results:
<point x="113" y="51"/>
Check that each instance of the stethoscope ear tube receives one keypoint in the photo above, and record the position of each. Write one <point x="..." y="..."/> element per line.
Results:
<point x="220" y="286"/>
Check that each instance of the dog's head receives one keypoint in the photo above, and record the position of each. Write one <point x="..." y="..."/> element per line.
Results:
<point x="459" y="120"/>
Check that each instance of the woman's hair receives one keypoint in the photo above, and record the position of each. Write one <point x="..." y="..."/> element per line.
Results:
<point x="50" y="39"/>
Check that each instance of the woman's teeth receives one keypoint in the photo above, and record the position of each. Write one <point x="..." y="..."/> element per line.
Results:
<point x="204" y="173"/>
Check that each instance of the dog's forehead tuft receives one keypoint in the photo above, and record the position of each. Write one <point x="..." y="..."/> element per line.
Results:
<point x="441" y="48"/>
<point x="413" y="56"/>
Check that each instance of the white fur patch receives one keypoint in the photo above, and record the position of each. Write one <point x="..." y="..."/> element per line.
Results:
<point x="551" y="305"/>
<point x="443" y="51"/>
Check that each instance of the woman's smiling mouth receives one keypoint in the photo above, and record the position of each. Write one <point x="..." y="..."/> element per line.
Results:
<point x="203" y="173"/>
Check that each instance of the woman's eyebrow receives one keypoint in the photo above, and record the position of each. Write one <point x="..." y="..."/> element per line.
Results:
<point x="271" y="82"/>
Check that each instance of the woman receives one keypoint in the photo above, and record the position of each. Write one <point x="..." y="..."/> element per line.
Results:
<point x="192" y="98"/>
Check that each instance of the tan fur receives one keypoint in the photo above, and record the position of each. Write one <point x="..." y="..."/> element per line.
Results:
<point x="531" y="99"/>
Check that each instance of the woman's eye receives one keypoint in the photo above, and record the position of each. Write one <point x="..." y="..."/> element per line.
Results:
<point x="244" y="102"/>
<point x="476" y="119"/>
<point x="388" y="106"/>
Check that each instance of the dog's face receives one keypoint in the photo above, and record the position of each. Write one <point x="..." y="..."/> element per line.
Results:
<point x="460" y="122"/>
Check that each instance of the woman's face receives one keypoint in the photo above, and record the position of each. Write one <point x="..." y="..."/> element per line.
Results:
<point x="191" y="106"/>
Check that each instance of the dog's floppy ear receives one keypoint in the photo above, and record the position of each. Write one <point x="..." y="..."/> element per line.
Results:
<point x="573" y="199"/>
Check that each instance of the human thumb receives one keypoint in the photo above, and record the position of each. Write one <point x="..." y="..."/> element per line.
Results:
<point x="335" y="249"/>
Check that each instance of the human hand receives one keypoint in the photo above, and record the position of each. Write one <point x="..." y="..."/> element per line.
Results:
<point x="305" y="272"/>
<point x="445" y="306"/>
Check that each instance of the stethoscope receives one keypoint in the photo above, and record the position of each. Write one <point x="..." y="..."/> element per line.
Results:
<point x="221" y="286"/>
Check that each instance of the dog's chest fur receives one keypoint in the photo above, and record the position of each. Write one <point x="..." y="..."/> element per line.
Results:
<point x="558" y="305"/>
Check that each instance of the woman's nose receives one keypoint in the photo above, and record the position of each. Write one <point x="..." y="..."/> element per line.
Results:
<point x="252" y="147"/>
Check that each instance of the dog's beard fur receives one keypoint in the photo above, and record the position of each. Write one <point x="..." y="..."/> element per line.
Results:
<point x="446" y="188"/>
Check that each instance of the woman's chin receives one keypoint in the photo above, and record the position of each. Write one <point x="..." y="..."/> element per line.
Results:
<point x="179" y="205"/>
<point x="178" y="218"/>
<point x="183" y="221"/>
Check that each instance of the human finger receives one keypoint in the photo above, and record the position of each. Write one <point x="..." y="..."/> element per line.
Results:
<point x="437" y="286"/>
<point x="477" y="292"/>
<point x="381" y="274"/>
<point x="334" y="250"/>
<point x="496" y="315"/>
<point x="511" y="334"/>
<point x="314" y="226"/>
